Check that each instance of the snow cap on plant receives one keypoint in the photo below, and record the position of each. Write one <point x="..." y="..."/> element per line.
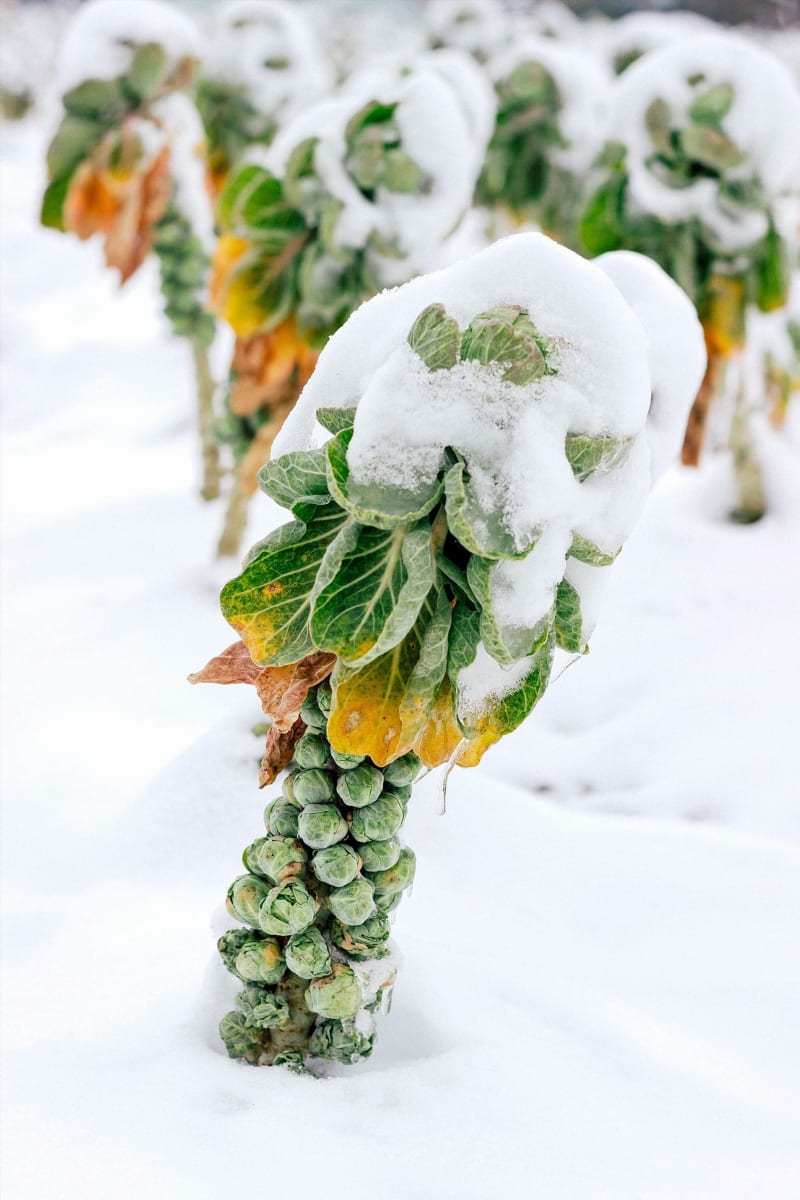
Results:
<point x="472" y="450"/>
<point x="477" y="26"/>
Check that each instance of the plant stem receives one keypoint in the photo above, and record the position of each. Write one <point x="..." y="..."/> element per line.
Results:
<point x="230" y="539"/>
<point x="698" y="417"/>
<point x="746" y="467"/>
<point x="205" y="420"/>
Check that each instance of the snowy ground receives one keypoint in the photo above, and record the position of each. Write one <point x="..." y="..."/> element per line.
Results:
<point x="599" y="990"/>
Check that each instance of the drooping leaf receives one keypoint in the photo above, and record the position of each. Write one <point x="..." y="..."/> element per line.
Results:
<point x="279" y="751"/>
<point x="429" y="670"/>
<point x="52" y="211"/>
<point x="269" y="603"/>
<point x="381" y="506"/>
<point x="233" y="665"/>
<point x="238" y="187"/>
<point x="481" y="532"/>
<point x="455" y="577"/>
<point x="587" y="455"/>
<point x="298" y="477"/>
<point x="656" y="118"/>
<point x="506" y="643"/>
<point x="569" y="622"/>
<point x="772" y="272"/>
<point x="99" y="100"/>
<point x="710" y="107"/>
<point x="365" y="715"/>
<point x="74" y="141"/>
<point x="502" y="715"/>
<point x="602" y="226"/>
<point x="711" y="147"/>
<point x="148" y="71"/>
<point x="465" y="634"/>
<point x="442" y="734"/>
<point x="436" y="338"/>
<point x="335" y="420"/>
<point x="282" y="690"/>
<point x="587" y="552"/>
<point x="370" y="588"/>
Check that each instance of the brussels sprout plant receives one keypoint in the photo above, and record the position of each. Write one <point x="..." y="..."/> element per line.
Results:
<point x="468" y="479"/>
<point x="112" y="171"/>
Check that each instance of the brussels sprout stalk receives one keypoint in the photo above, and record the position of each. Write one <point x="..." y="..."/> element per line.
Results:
<point x="315" y="907"/>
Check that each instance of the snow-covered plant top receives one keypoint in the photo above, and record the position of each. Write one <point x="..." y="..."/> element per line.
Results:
<point x="105" y="36"/>
<point x="261" y="63"/>
<point x="353" y="194"/>
<point x="627" y="39"/>
<point x="551" y="116"/>
<point x="478" y="26"/>
<point x="709" y="131"/>
<point x="472" y="449"/>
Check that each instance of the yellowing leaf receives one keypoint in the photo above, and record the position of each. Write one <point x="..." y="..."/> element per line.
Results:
<point x="441" y="736"/>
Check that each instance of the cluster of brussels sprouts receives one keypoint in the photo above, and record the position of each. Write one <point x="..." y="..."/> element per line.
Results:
<point x="184" y="271"/>
<point x="316" y="900"/>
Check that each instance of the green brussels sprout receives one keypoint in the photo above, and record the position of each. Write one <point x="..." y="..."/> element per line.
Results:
<point x="378" y="821"/>
<point x="280" y="817"/>
<point x="352" y="903"/>
<point x="361" y="786"/>
<point x="403" y="770"/>
<point x="346" y="761"/>
<point x="321" y="825"/>
<point x="278" y="858"/>
<point x="263" y="1008"/>
<point x="340" y="1042"/>
<point x="379" y="856"/>
<point x="402" y="791"/>
<point x="307" y="954"/>
<point x="229" y="946"/>
<point x="242" y="1040"/>
<point x="335" y="995"/>
<point x="313" y="787"/>
<point x="288" y="786"/>
<point x="245" y="897"/>
<point x="288" y="908"/>
<point x="260" y="960"/>
<point x="388" y="902"/>
<point x="311" y="713"/>
<point x="324" y="698"/>
<point x="336" y="865"/>
<point x="312" y="751"/>
<point x="394" y="879"/>
<point x="361" y="941"/>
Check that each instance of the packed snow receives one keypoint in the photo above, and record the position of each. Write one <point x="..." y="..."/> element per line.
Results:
<point x="598" y="982"/>
<point x="98" y="42"/>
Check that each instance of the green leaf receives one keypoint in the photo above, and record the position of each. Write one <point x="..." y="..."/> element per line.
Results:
<point x="710" y="107"/>
<point x="772" y="273"/>
<point x="52" y="211"/>
<point x="298" y="477"/>
<point x="483" y="533"/>
<point x="238" y="187"/>
<point x="488" y="339"/>
<point x="588" y="455"/>
<point x="465" y="634"/>
<point x="436" y="338"/>
<point x="269" y="603"/>
<point x="100" y="100"/>
<point x="382" y="507"/>
<point x="428" y="672"/>
<point x="370" y="588"/>
<point x="656" y="118"/>
<point x="587" y="552"/>
<point x="507" y="644"/>
<point x="400" y="173"/>
<point x="148" y="71"/>
<point x="335" y="420"/>
<point x="374" y="113"/>
<point x="455" y="577"/>
<point x="569" y="622"/>
<point x="299" y="166"/>
<point x="74" y="141"/>
<point x="711" y="147"/>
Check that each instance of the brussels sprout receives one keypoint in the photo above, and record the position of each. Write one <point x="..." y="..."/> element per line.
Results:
<point x="378" y="821"/>
<point x="312" y="751"/>
<point x="307" y="954"/>
<point x="403" y="770"/>
<point x="336" y="865"/>
<point x="287" y="909"/>
<point x="229" y="946"/>
<point x="342" y="1043"/>
<point x="280" y="817"/>
<point x="335" y="995"/>
<point x="402" y="791"/>
<point x="288" y="786"/>
<point x="379" y="856"/>
<point x="313" y="787"/>
<point x="346" y="761"/>
<point x="311" y="714"/>
<point x="321" y="825"/>
<point x="361" y="786"/>
<point x="394" y="879"/>
<point x="361" y="941"/>
<point x="278" y="858"/>
<point x="242" y="1040"/>
<point x="352" y="903"/>
<point x="324" y="698"/>
<point x="263" y="1008"/>
<point x="261" y="961"/>
<point x="388" y="902"/>
<point x="245" y="897"/>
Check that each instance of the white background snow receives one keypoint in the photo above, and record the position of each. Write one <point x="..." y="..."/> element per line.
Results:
<point x="600" y="984"/>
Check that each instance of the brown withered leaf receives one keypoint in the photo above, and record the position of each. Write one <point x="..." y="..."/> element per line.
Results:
<point x="282" y="690"/>
<point x="131" y="236"/>
<point x="278" y="751"/>
<point x="270" y="369"/>
<point x="233" y="665"/>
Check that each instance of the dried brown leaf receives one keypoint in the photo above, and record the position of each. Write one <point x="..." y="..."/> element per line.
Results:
<point x="278" y="751"/>
<point x="282" y="690"/>
<point x="233" y="665"/>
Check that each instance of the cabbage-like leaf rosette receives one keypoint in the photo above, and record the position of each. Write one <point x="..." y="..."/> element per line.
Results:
<point x="466" y="462"/>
